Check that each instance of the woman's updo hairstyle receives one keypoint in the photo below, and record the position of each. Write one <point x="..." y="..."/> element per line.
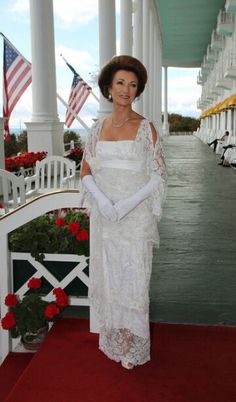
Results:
<point x="117" y="63"/>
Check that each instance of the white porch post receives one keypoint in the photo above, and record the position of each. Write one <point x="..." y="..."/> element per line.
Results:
<point x="159" y="77"/>
<point x="138" y="44"/>
<point x="165" y="123"/>
<point x="107" y="43"/>
<point x="146" y="50"/>
<point x="151" y="65"/>
<point x="229" y="122"/>
<point x="155" y="77"/>
<point x="45" y="132"/>
<point x="126" y="35"/>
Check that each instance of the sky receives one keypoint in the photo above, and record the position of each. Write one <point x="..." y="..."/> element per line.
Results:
<point x="76" y="38"/>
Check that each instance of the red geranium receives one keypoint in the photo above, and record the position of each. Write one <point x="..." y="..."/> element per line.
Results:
<point x="82" y="235"/>
<point x="9" y="321"/>
<point x="61" y="297"/>
<point x="60" y="222"/>
<point x="32" y="312"/>
<point x="25" y="160"/>
<point x="74" y="227"/>
<point x="34" y="283"/>
<point x="11" y="300"/>
<point x="51" y="310"/>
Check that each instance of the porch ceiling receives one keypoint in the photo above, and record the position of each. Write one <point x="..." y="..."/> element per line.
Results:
<point x="186" y="29"/>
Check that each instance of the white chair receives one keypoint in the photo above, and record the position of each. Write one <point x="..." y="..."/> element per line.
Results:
<point x="51" y="173"/>
<point x="13" y="190"/>
<point x="221" y="144"/>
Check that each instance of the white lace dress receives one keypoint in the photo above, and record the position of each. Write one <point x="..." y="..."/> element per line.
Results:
<point x="121" y="252"/>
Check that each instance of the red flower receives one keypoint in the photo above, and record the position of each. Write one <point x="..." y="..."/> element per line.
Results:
<point x="34" y="283"/>
<point x="74" y="227"/>
<point x="62" y="301"/>
<point x="9" y="321"/>
<point x="51" y="310"/>
<point x="58" y="292"/>
<point x="11" y="300"/>
<point x="82" y="235"/>
<point x="60" y="222"/>
<point x="61" y="297"/>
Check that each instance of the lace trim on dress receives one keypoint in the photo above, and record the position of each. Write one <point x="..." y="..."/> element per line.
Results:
<point x="155" y="164"/>
<point x="120" y="344"/>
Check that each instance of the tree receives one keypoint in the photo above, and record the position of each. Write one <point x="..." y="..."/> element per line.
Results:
<point x="182" y="123"/>
<point x="22" y="143"/>
<point x="10" y="146"/>
<point x="72" y="135"/>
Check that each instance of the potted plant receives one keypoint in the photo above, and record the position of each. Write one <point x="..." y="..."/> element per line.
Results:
<point x="63" y="231"/>
<point x="76" y="155"/>
<point x="26" y="160"/>
<point x="29" y="317"/>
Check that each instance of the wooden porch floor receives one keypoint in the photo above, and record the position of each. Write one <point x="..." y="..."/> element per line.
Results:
<point x="194" y="271"/>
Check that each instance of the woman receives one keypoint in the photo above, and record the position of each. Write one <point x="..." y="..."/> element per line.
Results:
<point x="123" y="180"/>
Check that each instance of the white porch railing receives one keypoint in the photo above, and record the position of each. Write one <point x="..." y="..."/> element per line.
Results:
<point x="11" y="221"/>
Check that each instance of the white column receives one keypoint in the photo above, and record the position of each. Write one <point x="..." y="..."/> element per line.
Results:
<point x="229" y="123"/>
<point x="138" y="44"/>
<point x="107" y="43"/>
<point x="126" y="34"/>
<point x="151" y="62"/>
<point x="146" y="49"/>
<point x="156" y="76"/>
<point x="158" y="110"/>
<point x="45" y="132"/>
<point x="165" y="123"/>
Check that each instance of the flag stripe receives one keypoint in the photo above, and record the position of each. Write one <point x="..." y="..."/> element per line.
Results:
<point x="78" y="95"/>
<point x="16" y="79"/>
<point x="78" y="108"/>
<point x="17" y="97"/>
<point x="16" y="65"/>
<point x="19" y="77"/>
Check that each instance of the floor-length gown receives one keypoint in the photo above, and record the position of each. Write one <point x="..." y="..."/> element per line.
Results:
<point x="121" y="252"/>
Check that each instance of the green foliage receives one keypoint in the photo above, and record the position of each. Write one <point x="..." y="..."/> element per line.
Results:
<point x="71" y="135"/>
<point x="30" y="315"/>
<point x="45" y="235"/>
<point x="22" y="143"/>
<point x="182" y="123"/>
<point x="11" y="146"/>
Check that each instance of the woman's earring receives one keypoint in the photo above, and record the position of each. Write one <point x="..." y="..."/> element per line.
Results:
<point x="109" y="96"/>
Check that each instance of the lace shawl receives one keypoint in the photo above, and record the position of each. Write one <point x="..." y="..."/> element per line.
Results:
<point x="155" y="164"/>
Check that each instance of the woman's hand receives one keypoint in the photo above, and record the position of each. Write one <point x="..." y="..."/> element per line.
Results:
<point x="105" y="206"/>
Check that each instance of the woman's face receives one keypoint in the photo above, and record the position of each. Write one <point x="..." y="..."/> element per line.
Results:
<point x="124" y="87"/>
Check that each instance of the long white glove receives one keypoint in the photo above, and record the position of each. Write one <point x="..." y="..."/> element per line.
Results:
<point x="123" y="207"/>
<point x="104" y="204"/>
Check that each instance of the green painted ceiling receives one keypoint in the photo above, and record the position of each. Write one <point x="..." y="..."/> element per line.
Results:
<point x="186" y="29"/>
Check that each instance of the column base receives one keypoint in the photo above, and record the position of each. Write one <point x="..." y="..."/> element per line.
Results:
<point x="166" y="129"/>
<point x="46" y="136"/>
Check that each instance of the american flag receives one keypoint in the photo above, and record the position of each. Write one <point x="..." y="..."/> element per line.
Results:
<point x="16" y="78"/>
<point x="78" y="95"/>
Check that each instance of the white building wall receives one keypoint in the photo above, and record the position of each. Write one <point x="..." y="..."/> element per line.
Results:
<point x="212" y="93"/>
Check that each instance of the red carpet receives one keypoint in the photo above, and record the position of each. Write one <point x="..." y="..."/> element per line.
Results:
<point x="189" y="364"/>
<point x="10" y="371"/>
